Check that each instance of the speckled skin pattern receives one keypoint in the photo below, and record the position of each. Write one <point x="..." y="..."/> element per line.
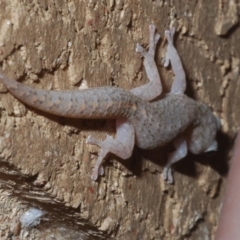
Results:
<point x="190" y="125"/>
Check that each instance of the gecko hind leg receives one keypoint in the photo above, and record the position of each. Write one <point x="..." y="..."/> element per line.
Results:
<point x="181" y="151"/>
<point x="121" y="146"/>
<point x="179" y="82"/>
<point x="152" y="89"/>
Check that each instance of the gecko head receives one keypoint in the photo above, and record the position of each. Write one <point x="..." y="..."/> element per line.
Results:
<point x="203" y="135"/>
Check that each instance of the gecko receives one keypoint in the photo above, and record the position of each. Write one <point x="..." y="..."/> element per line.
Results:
<point x="141" y="120"/>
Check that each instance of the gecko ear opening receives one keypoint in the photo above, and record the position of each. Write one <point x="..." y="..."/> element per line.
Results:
<point x="212" y="148"/>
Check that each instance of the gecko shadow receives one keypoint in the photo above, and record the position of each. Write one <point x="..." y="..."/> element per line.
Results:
<point x="80" y="124"/>
<point x="217" y="161"/>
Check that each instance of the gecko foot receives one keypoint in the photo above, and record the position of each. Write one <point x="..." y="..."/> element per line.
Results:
<point x="169" y="35"/>
<point x="121" y="146"/>
<point x="167" y="175"/>
<point x="98" y="169"/>
<point x="140" y="49"/>
<point x="180" y="152"/>
<point x="154" y="37"/>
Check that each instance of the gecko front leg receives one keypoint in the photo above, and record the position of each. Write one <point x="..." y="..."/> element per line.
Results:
<point x="154" y="88"/>
<point x="180" y="152"/>
<point x="121" y="146"/>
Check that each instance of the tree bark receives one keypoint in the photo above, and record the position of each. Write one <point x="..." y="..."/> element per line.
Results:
<point x="45" y="161"/>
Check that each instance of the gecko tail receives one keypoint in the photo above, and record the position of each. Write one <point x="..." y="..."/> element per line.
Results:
<point x="102" y="102"/>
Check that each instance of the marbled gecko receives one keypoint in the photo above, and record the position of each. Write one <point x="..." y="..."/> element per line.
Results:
<point x="140" y="120"/>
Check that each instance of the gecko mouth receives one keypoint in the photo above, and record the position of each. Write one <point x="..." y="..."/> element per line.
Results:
<point x="210" y="153"/>
<point x="211" y="149"/>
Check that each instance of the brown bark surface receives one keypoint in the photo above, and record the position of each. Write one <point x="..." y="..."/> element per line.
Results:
<point x="44" y="160"/>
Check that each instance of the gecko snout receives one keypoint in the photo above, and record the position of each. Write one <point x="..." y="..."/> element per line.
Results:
<point x="212" y="148"/>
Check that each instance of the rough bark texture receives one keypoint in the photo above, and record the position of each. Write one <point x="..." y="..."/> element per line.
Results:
<point x="44" y="159"/>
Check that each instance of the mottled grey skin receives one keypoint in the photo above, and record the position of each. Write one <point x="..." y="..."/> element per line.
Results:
<point x="189" y="124"/>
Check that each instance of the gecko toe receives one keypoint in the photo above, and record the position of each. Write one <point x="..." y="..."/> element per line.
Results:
<point x="94" y="175"/>
<point x="93" y="141"/>
<point x="101" y="171"/>
<point x="139" y="48"/>
<point x="97" y="171"/>
<point x="152" y="28"/>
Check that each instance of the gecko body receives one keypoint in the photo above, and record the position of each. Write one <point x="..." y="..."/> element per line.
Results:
<point x="175" y="117"/>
